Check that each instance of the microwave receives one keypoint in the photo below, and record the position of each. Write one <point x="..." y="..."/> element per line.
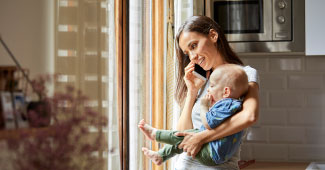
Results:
<point x="259" y="25"/>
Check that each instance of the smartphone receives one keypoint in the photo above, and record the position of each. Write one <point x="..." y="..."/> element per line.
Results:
<point x="200" y="72"/>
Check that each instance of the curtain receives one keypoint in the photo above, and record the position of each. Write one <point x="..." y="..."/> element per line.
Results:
<point x="183" y="9"/>
<point x="170" y="72"/>
<point x="140" y="76"/>
<point x="179" y="11"/>
<point x="113" y="140"/>
<point x="85" y="59"/>
<point x="146" y="75"/>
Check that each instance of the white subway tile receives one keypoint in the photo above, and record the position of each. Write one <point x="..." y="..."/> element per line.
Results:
<point x="309" y="117"/>
<point x="306" y="81"/>
<point x="270" y="152"/>
<point x="273" y="81"/>
<point x="246" y="152"/>
<point x="285" y="64"/>
<point x="257" y="134"/>
<point x="315" y="63"/>
<point x="292" y="93"/>
<point x="286" y="135"/>
<point x="258" y="63"/>
<point x="315" y="136"/>
<point x="263" y="99"/>
<point x="307" y="153"/>
<point x="286" y="99"/>
<point x="273" y="117"/>
<point x="315" y="100"/>
<point x="323" y="117"/>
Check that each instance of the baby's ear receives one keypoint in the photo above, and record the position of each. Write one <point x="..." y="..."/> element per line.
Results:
<point x="226" y="92"/>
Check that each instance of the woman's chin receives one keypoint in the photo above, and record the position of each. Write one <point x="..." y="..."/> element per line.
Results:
<point x="206" y="68"/>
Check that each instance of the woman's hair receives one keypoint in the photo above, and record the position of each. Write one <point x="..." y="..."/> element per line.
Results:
<point x="202" y="25"/>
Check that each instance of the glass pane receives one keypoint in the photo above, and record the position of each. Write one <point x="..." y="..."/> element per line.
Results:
<point x="86" y="52"/>
<point x="68" y="15"/>
<point x="239" y="16"/>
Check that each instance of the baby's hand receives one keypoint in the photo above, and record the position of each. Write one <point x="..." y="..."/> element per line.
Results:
<point x="206" y="101"/>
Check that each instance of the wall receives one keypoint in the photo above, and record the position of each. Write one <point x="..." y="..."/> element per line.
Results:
<point x="291" y="126"/>
<point x="27" y="27"/>
<point x="314" y="28"/>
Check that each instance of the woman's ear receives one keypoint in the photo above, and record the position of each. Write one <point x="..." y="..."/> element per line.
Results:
<point x="226" y="92"/>
<point x="213" y="35"/>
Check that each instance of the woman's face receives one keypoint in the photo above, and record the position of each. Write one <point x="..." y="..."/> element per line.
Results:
<point x="201" y="49"/>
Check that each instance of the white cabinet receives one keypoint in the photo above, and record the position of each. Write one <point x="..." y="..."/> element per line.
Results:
<point x="315" y="27"/>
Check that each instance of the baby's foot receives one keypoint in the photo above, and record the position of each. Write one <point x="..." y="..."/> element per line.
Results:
<point x="154" y="156"/>
<point x="149" y="131"/>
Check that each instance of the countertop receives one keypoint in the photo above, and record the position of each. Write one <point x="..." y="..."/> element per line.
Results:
<point x="277" y="166"/>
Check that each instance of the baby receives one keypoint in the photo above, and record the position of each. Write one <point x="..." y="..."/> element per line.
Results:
<point x="228" y="83"/>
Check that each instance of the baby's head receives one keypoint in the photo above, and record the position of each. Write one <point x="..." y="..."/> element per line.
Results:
<point x="228" y="81"/>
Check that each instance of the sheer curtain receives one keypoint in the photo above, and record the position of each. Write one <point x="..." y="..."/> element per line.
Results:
<point x="151" y="40"/>
<point x="145" y="52"/>
<point x="179" y="12"/>
<point x="85" y="59"/>
<point x="140" y="76"/>
<point x="183" y="9"/>
<point x="113" y="142"/>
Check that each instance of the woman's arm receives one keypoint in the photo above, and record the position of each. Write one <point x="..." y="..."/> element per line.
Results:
<point x="238" y="122"/>
<point x="185" y="120"/>
<point x="193" y="85"/>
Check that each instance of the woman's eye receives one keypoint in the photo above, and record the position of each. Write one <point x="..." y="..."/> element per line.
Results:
<point x="193" y="45"/>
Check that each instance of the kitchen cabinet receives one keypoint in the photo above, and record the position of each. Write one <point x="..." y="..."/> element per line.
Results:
<point x="315" y="33"/>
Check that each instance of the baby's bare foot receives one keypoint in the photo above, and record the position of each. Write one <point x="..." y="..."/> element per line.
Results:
<point x="154" y="156"/>
<point x="149" y="131"/>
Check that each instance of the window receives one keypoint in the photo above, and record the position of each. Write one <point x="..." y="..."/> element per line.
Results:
<point x="85" y="58"/>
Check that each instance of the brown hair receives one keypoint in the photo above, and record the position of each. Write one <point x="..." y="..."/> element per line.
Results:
<point x="202" y="25"/>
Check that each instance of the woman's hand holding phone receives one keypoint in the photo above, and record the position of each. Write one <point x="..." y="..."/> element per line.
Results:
<point x="200" y="72"/>
<point x="192" y="82"/>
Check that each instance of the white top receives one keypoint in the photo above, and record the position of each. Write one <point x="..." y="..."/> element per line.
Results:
<point x="185" y="162"/>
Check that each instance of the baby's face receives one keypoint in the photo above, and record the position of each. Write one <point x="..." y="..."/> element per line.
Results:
<point x="215" y="90"/>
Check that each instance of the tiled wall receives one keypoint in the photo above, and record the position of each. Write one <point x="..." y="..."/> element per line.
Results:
<point x="291" y="126"/>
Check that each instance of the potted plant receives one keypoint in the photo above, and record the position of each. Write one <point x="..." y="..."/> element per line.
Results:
<point x="71" y="139"/>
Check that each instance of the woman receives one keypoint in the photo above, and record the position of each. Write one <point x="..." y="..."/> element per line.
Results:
<point x="201" y="41"/>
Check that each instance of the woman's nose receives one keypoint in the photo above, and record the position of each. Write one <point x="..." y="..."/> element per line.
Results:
<point x="193" y="56"/>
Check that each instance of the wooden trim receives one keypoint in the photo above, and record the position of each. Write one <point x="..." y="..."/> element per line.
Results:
<point x="158" y="69"/>
<point x="121" y="34"/>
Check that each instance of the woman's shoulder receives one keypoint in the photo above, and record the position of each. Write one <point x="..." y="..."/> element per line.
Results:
<point x="252" y="74"/>
<point x="248" y="68"/>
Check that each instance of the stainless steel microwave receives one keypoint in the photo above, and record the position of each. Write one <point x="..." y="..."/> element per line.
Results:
<point x="259" y="25"/>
